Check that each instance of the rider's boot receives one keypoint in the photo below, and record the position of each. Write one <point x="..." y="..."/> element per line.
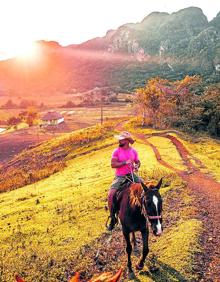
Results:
<point x="112" y="222"/>
<point x="113" y="210"/>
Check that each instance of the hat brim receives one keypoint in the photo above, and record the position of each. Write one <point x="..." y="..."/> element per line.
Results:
<point x="123" y="138"/>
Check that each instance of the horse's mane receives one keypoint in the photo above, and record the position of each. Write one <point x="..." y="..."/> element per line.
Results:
<point x="135" y="194"/>
<point x="136" y="191"/>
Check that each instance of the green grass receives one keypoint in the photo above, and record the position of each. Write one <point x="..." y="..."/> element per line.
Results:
<point x="44" y="226"/>
<point x="208" y="151"/>
<point x="175" y="251"/>
<point x="167" y="151"/>
<point x="49" y="157"/>
<point x="65" y="217"/>
<point x="58" y="215"/>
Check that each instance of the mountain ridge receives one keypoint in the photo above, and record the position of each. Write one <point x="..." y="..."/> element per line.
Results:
<point x="162" y="44"/>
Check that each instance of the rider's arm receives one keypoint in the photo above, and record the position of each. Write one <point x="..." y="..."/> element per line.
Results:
<point x="138" y="163"/>
<point x="115" y="163"/>
<point x="136" y="160"/>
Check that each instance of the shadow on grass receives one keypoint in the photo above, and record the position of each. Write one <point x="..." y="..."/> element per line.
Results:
<point x="164" y="273"/>
<point x="133" y="278"/>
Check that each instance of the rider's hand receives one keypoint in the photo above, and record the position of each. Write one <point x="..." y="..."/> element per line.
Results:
<point x="129" y="162"/>
<point x="136" y="167"/>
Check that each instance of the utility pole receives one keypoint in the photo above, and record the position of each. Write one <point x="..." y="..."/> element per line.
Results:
<point x="101" y="106"/>
<point x="38" y="138"/>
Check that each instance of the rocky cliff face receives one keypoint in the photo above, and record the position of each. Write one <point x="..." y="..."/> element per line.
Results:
<point x="157" y="32"/>
<point x="166" y="45"/>
<point x="183" y="36"/>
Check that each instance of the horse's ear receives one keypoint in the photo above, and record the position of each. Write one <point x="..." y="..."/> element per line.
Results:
<point x="159" y="184"/>
<point x="117" y="276"/>
<point x="144" y="187"/>
<point x="18" y="278"/>
<point x="75" y="278"/>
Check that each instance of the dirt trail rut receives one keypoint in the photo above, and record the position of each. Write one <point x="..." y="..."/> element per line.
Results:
<point x="206" y="192"/>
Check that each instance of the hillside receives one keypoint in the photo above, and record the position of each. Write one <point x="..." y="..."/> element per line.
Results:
<point x="56" y="226"/>
<point x="49" y="157"/>
<point x="166" y="45"/>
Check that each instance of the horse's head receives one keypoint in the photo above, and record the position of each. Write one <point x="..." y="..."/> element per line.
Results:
<point x="152" y="206"/>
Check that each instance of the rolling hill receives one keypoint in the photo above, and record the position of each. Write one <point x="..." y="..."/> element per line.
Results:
<point x="56" y="226"/>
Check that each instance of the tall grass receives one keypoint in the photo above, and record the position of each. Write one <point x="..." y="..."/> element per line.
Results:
<point x="49" y="157"/>
<point x="56" y="226"/>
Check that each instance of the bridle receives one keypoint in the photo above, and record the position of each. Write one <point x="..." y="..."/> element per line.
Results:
<point x="143" y="209"/>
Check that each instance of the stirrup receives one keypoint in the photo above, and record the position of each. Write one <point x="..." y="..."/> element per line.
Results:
<point x="111" y="225"/>
<point x="113" y="222"/>
<point x="106" y="224"/>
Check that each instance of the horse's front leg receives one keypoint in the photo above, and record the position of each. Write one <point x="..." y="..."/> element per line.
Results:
<point x="144" y="234"/>
<point x="134" y="241"/>
<point x="128" y="250"/>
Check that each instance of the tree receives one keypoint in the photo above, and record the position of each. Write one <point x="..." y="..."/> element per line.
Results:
<point x="13" y="121"/>
<point x="149" y="100"/>
<point x="167" y="103"/>
<point x="184" y="101"/>
<point x="23" y="115"/>
<point x="210" y="103"/>
<point x="69" y="104"/>
<point x="31" y="117"/>
<point x="9" y="105"/>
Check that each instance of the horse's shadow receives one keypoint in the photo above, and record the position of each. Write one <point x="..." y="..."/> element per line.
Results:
<point x="133" y="278"/>
<point x="164" y="272"/>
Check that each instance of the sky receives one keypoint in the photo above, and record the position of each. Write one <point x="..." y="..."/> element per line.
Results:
<point x="75" y="21"/>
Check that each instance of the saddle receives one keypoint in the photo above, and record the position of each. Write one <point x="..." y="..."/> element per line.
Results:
<point x="116" y="203"/>
<point x="118" y="195"/>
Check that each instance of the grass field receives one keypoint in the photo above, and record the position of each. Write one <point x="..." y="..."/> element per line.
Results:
<point x="208" y="151"/>
<point x="46" y="225"/>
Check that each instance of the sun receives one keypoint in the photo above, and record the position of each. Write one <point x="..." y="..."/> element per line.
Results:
<point x="23" y="50"/>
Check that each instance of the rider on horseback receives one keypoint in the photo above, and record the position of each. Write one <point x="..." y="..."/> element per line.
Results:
<point x="125" y="160"/>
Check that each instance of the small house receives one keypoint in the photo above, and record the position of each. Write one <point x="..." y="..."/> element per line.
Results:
<point x="52" y="118"/>
<point x="125" y="97"/>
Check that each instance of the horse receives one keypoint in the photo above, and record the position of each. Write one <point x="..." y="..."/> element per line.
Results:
<point x="140" y="204"/>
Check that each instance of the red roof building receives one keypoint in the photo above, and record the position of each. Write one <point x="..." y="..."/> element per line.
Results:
<point x="52" y="118"/>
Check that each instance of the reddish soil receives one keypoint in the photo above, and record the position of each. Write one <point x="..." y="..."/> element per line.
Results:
<point x="13" y="143"/>
<point x="206" y="192"/>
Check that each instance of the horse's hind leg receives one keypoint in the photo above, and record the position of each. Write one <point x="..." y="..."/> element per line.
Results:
<point x="128" y="250"/>
<point x="134" y="241"/>
<point x="144" y="234"/>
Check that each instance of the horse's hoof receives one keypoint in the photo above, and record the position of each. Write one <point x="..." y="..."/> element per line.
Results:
<point x="131" y="275"/>
<point x="139" y="266"/>
<point x="136" y="250"/>
<point x="144" y="273"/>
<point x="153" y="268"/>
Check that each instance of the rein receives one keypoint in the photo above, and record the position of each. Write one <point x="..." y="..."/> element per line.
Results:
<point x="154" y="216"/>
<point x="144" y="212"/>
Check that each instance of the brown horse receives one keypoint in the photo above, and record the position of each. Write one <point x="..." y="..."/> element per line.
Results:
<point x="138" y="205"/>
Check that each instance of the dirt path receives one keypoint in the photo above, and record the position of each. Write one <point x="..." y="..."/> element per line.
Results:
<point x="206" y="192"/>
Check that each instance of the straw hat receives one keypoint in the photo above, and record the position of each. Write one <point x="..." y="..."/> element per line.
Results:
<point x="125" y="135"/>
